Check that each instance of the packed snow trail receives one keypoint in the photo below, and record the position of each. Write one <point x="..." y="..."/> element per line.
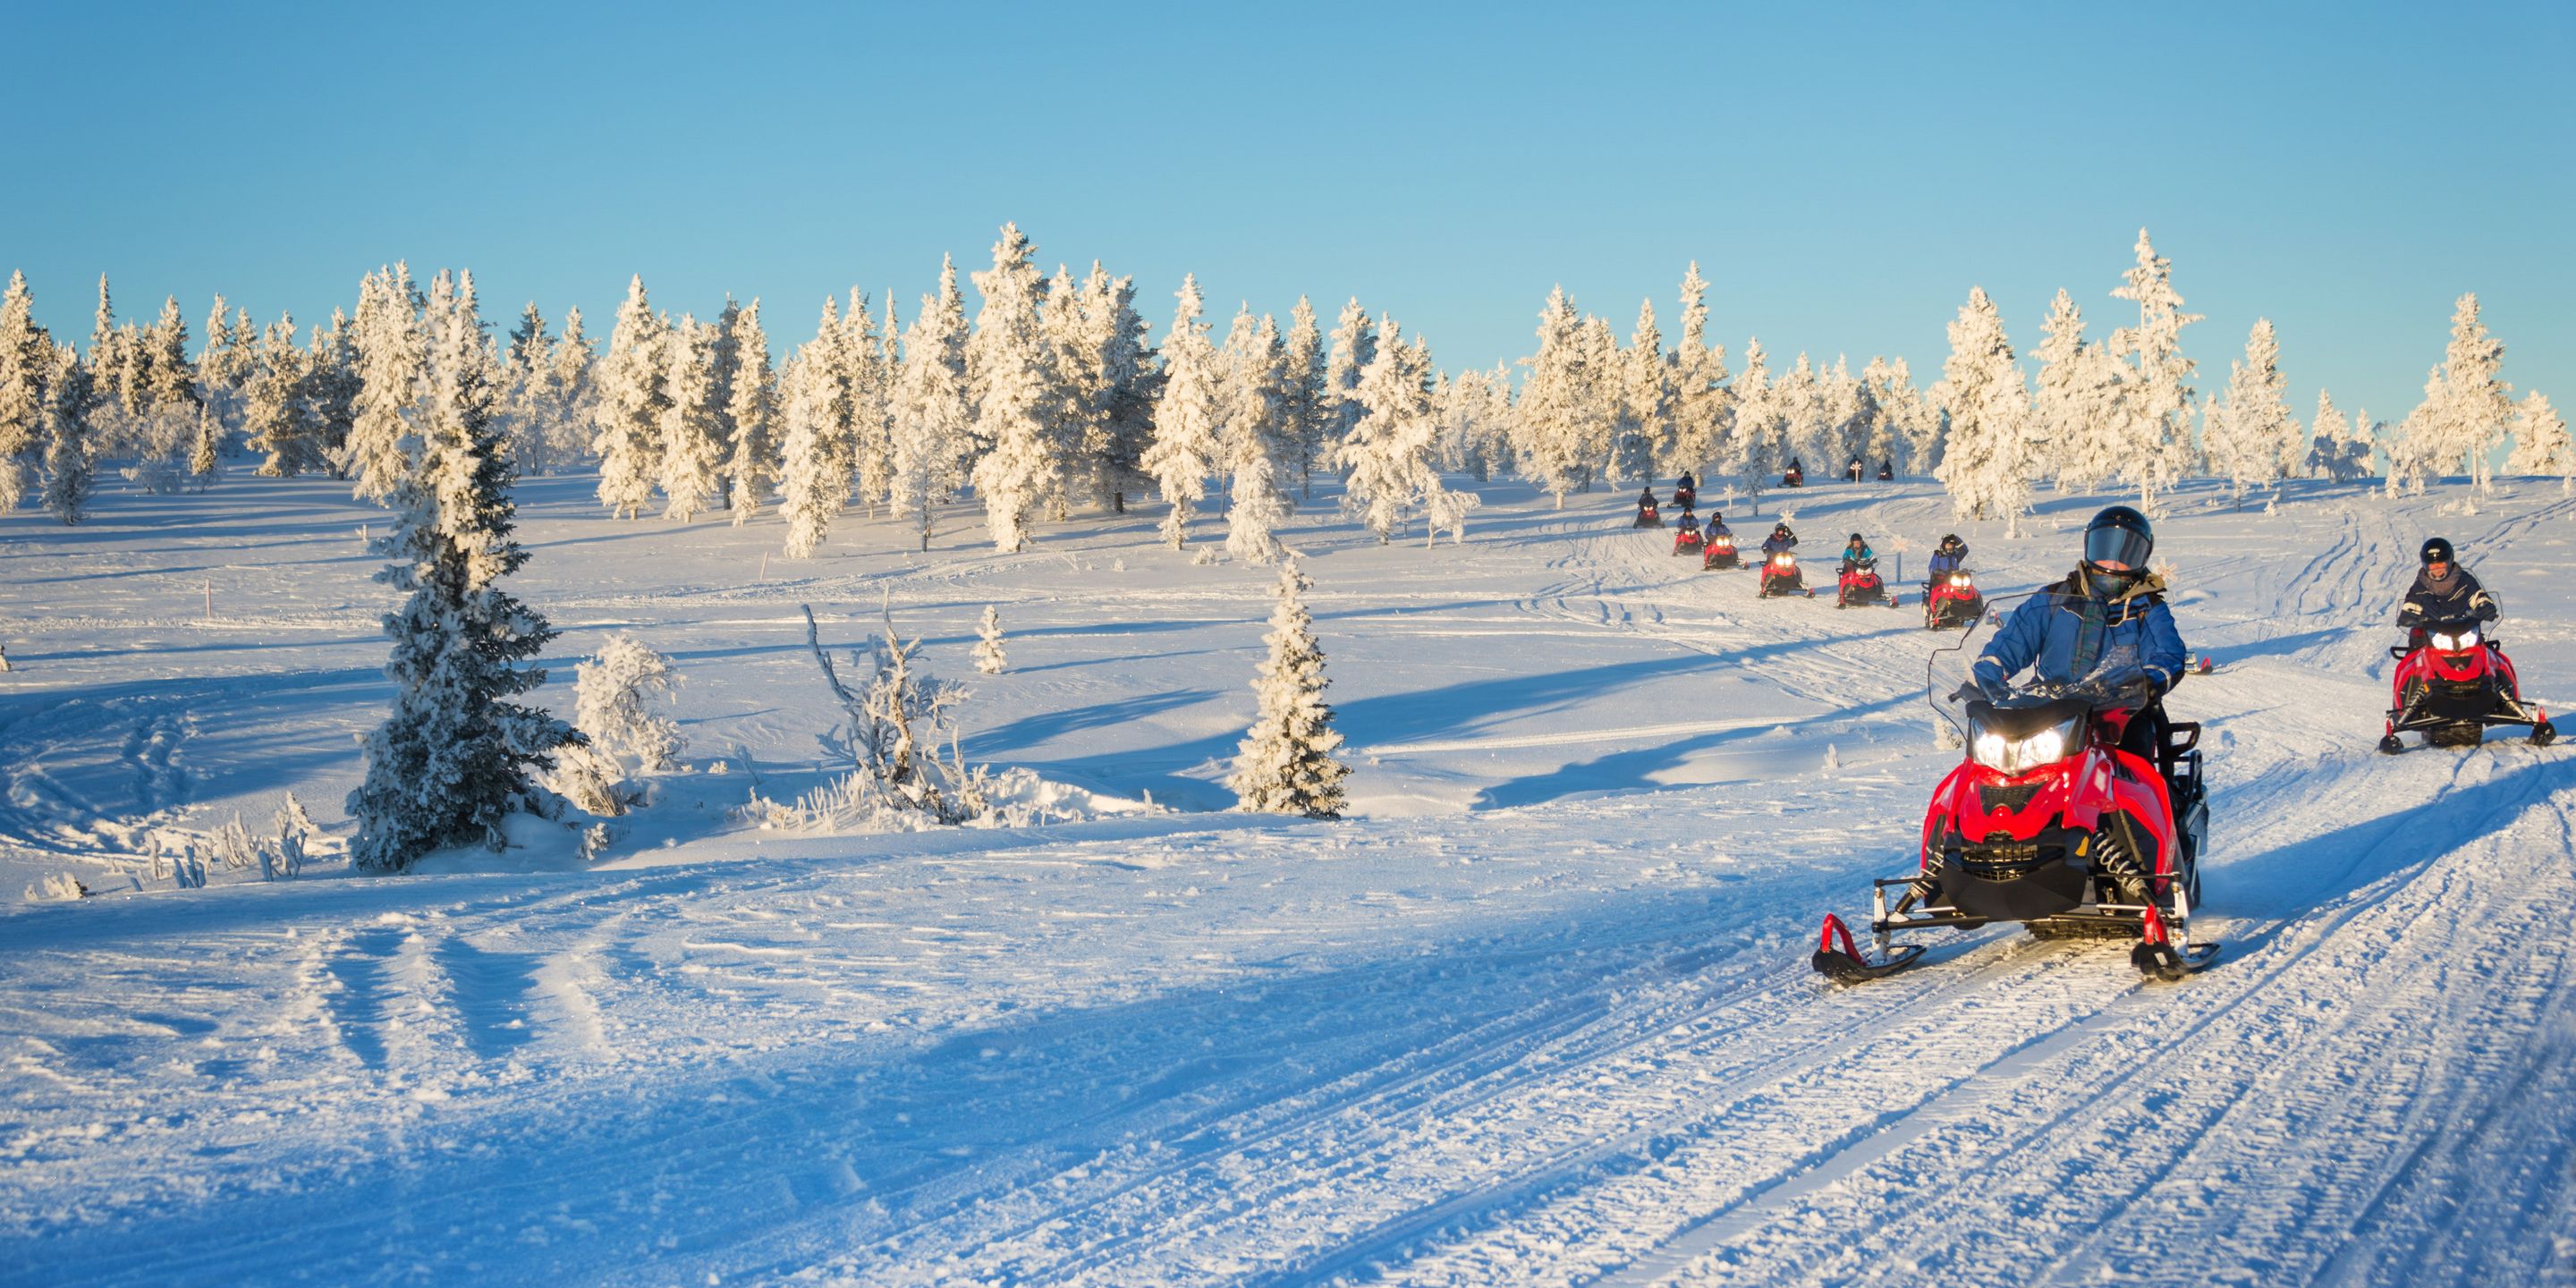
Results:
<point x="1542" y="1015"/>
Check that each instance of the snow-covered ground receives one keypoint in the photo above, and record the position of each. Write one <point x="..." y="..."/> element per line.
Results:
<point x="1539" y="1013"/>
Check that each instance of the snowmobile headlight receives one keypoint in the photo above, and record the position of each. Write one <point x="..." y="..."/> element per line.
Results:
<point x="1787" y="560"/>
<point x="2461" y="642"/>
<point x="2021" y="755"/>
<point x="1959" y="579"/>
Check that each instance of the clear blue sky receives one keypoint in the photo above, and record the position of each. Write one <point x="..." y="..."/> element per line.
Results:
<point x="1843" y="173"/>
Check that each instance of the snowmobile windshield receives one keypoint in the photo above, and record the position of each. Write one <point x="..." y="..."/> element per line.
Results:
<point x="2119" y="546"/>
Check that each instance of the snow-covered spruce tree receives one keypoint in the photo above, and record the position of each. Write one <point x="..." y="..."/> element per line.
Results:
<point x="1286" y="764"/>
<point x="1186" y="420"/>
<point x="989" y="657"/>
<point x="1653" y="396"/>
<point x="2250" y="423"/>
<point x="224" y="364"/>
<point x="1801" y="411"/>
<point x="932" y="421"/>
<point x="1917" y="425"/>
<point x="693" y="449"/>
<point x="576" y="392"/>
<point x="1603" y="393"/>
<point x="609" y="695"/>
<point x="2540" y="442"/>
<point x="1476" y="423"/>
<point x="1076" y="416"/>
<point x="862" y="355"/>
<point x="1016" y="399"/>
<point x="26" y="361"/>
<point x="66" y="427"/>
<point x="1354" y="347"/>
<point x="1555" y="410"/>
<point x="1981" y="390"/>
<point x="527" y="394"/>
<point x="634" y="394"/>
<point x="331" y="385"/>
<point x="1133" y="382"/>
<point x="1305" y="412"/>
<point x="277" y="408"/>
<point x="205" y="449"/>
<point x="2152" y="413"/>
<point x="1758" y="447"/>
<point x="751" y="464"/>
<point x="377" y="454"/>
<point x="814" y="459"/>
<point x="1257" y="439"/>
<point x="2077" y="383"/>
<point x="2466" y="409"/>
<point x="1701" y="399"/>
<point x="1390" y="460"/>
<point x="453" y="757"/>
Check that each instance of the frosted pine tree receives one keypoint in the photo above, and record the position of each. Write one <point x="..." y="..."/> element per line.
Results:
<point x="693" y="450"/>
<point x="66" y="430"/>
<point x="2251" y="420"/>
<point x="862" y="355"/>
<point x="814" y="454"/>
<point x="933" y="422"/>
<point x="1702" y="403"/>
<point x="1354" y="347"/>
<point x="1285" y="764"/>
<point x="1653" y="396"/>
<point x="1389" y="460"/>
<point x="453" y="757"/>
<point x="205" y="448"/>
<point x="2078" y="383"/>
<point x="1757" y="450"/>
<point x="751" y="463"/>
<point x="1188" y="417"/>
<point x="26" y="361"/>
<point x="634" y="394"/>
<point x="2540" y="442"/>
<point x="2466" y="410"/>
<point x="527" y="394"/>
<point x="2152" y="414"/>
<point x="1306" y="411"/>
<point x="277" y="408"/>
<point x="2328" y="435"/>
<point x="1985" y="468"/>
<point x="1015" y="394"/>
<point x="1916" y="424"/>
<point x="576" y="391"/>
<point x="989" y="657"/>
<point x="1259" y="442"/>
<point x="1555" y="409"/>
<point x="1132" y="384"/>
<point x="377" y="454"/>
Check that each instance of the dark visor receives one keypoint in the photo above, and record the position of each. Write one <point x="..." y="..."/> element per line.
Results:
<point x="2117" y="545"/>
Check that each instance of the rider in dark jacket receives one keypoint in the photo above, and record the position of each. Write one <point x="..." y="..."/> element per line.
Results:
<point x="1947" y="557"/>
<point x="1717" y="527"/>
<point x="1780" y="539"/>
<point x="2443" y="592"/>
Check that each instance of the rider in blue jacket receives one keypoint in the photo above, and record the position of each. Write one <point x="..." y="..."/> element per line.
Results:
<point x="1780" y="539"/>
<point x="2110" y="610"/>
<point x="1947" y="557"/>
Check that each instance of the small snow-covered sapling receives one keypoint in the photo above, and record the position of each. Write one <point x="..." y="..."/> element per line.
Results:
<point x="989" y="657"/>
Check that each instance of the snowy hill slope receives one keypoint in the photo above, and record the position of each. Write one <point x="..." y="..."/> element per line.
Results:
<point x="1540" y="1014"/>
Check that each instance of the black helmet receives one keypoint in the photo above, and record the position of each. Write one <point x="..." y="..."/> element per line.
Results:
<point x="1951" y="539"/>
<point x="1856" y="539"/>
<point x="2437" y="551"/>
<point x="2119" y="535"/>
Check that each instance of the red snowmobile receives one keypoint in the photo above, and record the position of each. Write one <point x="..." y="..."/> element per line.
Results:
<point x="2048" y="823"/>
<point x="1686" y="538"/>
<point x="1719" y="552"/>
<point x="1647" y="515"/>
<point x="1860" y="584"/>
<point x="2454" y="683"/>
<point x="1953" y="601"/>
<point x="1796" y="477"/>
<point x="1685" y="497"/>
<point x="1780" y="576"/>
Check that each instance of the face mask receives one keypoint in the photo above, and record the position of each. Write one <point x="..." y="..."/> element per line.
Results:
<point x="2107" y="584"/>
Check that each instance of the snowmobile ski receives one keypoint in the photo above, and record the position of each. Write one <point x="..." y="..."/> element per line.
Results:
<point x="2158" y="956"/>
<point x="1838" y="958"/>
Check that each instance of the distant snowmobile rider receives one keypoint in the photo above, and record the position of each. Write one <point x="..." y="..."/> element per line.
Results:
<point x="1717" y="526"/>
<point x="2443" y="592"/>
<point x="1781" y="538"/>
<point x="2110" y="607"/>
